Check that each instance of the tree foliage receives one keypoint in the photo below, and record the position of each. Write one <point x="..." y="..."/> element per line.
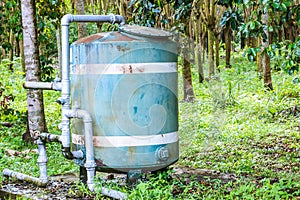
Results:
<point x="10" y="17"/>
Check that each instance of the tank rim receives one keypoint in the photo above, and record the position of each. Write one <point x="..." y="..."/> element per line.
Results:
<point x="143" y="31"/>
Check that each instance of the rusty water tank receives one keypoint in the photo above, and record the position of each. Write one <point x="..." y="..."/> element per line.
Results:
<point x="127" y="81"/>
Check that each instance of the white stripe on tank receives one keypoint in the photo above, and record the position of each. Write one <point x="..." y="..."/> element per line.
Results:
<point x="126" y="68"/>
<point x="128" y="141"/>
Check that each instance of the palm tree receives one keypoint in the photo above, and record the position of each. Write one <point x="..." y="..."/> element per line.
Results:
<point x="36" y="116"/>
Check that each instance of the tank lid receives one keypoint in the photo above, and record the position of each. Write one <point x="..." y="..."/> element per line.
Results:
<point x="144" y="31"/>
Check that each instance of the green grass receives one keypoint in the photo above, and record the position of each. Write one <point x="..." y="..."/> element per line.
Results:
<point x="234" y="126"/>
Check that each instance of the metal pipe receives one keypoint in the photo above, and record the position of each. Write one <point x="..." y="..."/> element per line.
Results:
<point x="42" y="85"/>
<point x="88" y="138"/>
<point x="42" y="160"/>
<point x="23" y="177"/>
<point x="65" y="92"/>
<point x="113" y="193"/>
<point x="67" y="19"/>
<point x="48" y="137"/>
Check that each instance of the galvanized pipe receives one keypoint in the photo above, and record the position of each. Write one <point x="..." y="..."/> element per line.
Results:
<point x="48" y="137"/>
<point x="113" y="193"/>
<point x="67" y="19"/>
<point x="23" y="177"/>
<point x="42" y="160"/>
<point x="88" y="138"/>
<point x="42" y="85"/>
<point x="65" y="94"/>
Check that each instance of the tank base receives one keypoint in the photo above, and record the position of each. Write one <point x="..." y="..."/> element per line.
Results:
<point x="133" y="176"/>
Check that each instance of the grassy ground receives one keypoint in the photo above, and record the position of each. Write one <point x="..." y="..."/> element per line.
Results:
<point x="235" y="126"/>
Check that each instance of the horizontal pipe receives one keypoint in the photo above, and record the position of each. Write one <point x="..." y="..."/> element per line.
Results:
<point x="48" y="137"/>
<point x="42" y="85"/>
<point x="77" y="154"/>
<point x="67" y="19"/>
<point x="113" y="193"/>
<point x="24" y="177"/>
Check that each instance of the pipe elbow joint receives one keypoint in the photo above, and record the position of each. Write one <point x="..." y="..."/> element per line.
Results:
<point x="85" y="115"/>
<point x="81" y="114"/>
<point x="122" y="20"/>
<point x="66" y="19"/>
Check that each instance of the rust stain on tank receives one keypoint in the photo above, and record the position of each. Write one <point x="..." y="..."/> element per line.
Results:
<point x="122" y="48"/>
<point x="131" y="152"/>
<point x="141" y="69"/>
<point x="89" y="38"/>
<point x="120" y="37"/>
<point x="95" y="141"/>
<point x="123" y="69"/>
<point x="127" y="69"/>
<point x="99" y="163"/>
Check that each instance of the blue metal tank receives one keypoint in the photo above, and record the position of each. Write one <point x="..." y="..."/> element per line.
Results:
<point x="127" y="81"/>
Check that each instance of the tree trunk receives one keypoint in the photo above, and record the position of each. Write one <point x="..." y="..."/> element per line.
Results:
<point x="217" y="47"/>
<point x="17" y="49"/>
<point x="36" y="116"/>
<point x="58" y="50"/>
<point x="211" y="52"/>
<point x="200" y="64"/>
<point x="188" y="91"/>
<point x="199" y="50"/>
<point x="228" y="45"/>
<point x="79" y="4"/>
<point x="266" y="59"/>
<point x="22" y="55"/>
<point x="259" y="61"/>
<point x="11" y="52"/>
<point x="186" y="74"/>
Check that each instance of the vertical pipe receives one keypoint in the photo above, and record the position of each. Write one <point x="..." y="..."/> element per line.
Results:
<point x="42" y="160"/>
<point x="88" y="138"/>
<point x="90" y="160"/>
<point x="65" y="92"/>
